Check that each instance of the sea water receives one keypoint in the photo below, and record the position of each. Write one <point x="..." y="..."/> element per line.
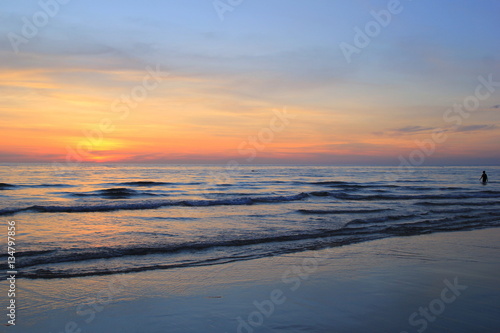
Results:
<point x="99" y="219"/>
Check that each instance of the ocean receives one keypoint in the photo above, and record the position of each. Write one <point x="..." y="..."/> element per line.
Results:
<point x="102" y="219"/>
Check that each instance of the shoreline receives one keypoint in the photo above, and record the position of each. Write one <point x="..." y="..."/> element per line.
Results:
<point x="442" y="282"/>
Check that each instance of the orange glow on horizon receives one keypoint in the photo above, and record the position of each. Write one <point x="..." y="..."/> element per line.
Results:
<point x="49" y="116"/>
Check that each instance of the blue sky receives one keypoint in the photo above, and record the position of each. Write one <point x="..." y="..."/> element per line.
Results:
<point x="225" y="75"/>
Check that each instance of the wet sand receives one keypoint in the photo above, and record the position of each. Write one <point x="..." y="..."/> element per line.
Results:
<point x="446" y="282"/>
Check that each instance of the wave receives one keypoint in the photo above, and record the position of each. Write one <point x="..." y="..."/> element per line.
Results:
<point x="5" y="186"/>
<point x="354" y="186"/>
<point x="398" y="197"/>
<point x="144" y="183"/>
<point x="456" y="223"/>
<point x="148" y="183"/>
<point x="48" y="185"/>
<point x="411" y="181"/>
<point x="355" y="231"/>
<point x="347" y="196"/>
<point x="113" y="193"/>
<point x="329" y="183"/>
<point x="341" y="211"/>
<point x="458" y="203"/>
<point x="124" y="193"/>
<point x="76" y="255"/>
<point x="459" y="210"/>
<point x="351" y="185"/>
<point x="346" y="236"/>
<point x="48" y="274"/>
<point x="144" y="205"/>
<point x="354" y="228"/>
<point x="29" y="253"/>
<point x="383" y="219"/>
<point x="321" y="193"/>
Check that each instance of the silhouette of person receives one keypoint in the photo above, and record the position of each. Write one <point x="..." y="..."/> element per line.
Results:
<point x="484" y="177"/>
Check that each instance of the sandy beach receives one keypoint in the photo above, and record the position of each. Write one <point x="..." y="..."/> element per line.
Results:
<point x="445" y="282"/>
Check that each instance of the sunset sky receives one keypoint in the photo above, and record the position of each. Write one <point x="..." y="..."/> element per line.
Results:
<point x="258" y="81"/>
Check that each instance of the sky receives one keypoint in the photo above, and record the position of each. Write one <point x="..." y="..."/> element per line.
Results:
<point x="327" y="82"/>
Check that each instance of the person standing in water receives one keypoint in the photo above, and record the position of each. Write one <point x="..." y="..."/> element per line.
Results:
<point x="484" y="177"/>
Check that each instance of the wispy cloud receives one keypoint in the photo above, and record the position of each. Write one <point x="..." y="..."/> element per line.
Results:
<point x="413" y="129"/>
<point x="474" y="128"/>
<point x="11" y="157"/>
